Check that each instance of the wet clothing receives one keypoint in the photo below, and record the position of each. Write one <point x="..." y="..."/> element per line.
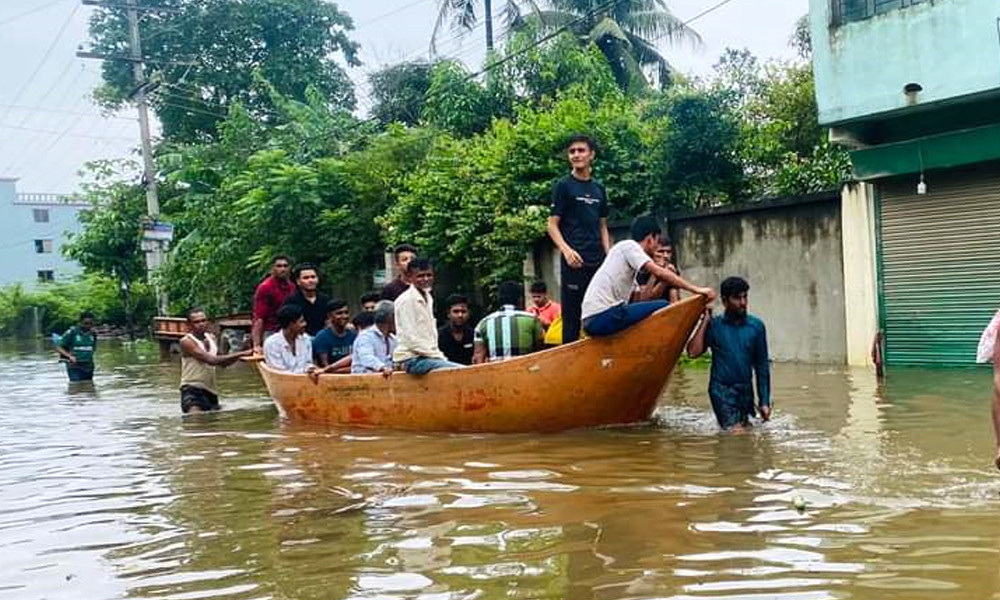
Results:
<point x="268" y="298"/>
<point x="82" y="344"/>
<point x="80" y="372"/>
<point x="372" y="351"/>
<point x="279" y="356"/>
<point x="739" y="348"/>
<point x="459" y="351"/>
<point x="393" y="289"/>
<point x="546" y="314"/>
<point x="508" y="332"/>
<point x="580" y="206"/>
<point x="192" y="396"/>
<point x="314" y="312"/>
<point x="416" y="329"/>
<point x="335" y="345"/>
<point x="196" y="373"/>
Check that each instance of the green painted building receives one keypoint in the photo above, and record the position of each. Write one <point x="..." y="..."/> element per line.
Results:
<point x="912" y="88"/>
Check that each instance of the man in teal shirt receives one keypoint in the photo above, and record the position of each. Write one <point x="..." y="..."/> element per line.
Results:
<point x="739" y="349"/>
<point x="77" y="347"/>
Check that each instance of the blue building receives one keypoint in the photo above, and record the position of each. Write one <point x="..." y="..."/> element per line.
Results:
<point x="912" y="89"/>
<point x="33" y="229"/>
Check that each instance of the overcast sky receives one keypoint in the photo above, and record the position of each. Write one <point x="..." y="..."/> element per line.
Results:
<point x="49" y="127"/>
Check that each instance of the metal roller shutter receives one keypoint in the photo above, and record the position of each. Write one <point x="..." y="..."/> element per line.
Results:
<point x="940" y="265"/>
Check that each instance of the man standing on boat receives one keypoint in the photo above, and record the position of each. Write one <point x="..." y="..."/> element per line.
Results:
<point x="606" y="308"/>
<point x="402" y="255"/>
<point x="77" y="347"/>
<point x="510" y="331"/>
<point x="268" y="298"/>
<point x="578" y="225"/>
<point x="739" y="348"/>
<point x="199" y="359"/>
<point x="308" y="297"/>
<point x="416" y="329"/>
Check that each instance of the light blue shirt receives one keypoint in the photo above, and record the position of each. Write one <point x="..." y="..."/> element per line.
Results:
<point x="372" y="351"/>
<point x="279" y="356"/>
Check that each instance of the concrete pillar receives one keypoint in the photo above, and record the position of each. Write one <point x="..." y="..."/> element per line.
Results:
<point x="857" y="210"/>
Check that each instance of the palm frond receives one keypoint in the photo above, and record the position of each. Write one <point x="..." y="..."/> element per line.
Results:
<point x="660" y="25"/>
<point x="607" y="27"/>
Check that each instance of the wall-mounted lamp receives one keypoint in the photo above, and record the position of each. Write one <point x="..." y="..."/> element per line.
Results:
<point x="912" y="93"/>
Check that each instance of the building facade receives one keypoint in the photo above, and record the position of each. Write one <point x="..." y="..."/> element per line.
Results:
<point x="33" y="230"/>
<point x="912" y="89"/>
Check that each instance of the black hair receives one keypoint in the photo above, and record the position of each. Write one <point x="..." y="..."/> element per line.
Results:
<point x="644" y="226"/>
<point x="193" y="310"/>
<point x="289" y="314"/>
<point x="418" y="264"/>
<point x="456" y="299"/>
<point x="733" y="286"/>
<point x="335" y="305"/>
<point x="510" y="292"/>
<point x="539" y="287"/>
<point x="86" y="315"/>
<point x="283" y="257"/>
<point x="363" y="319"/>
<point x="581" y="137"/>
<point x="370" y="297"/>
<point x="401" y="248"/>
<point x="306" y="266"/>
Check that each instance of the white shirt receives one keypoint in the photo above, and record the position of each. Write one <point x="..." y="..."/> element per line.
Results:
<point x="278" y="353"/>
<point x="416" y="329"/>
<point x="615" y="279"/>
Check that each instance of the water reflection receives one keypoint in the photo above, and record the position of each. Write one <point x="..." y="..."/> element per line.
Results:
<point x="854" y="490"/>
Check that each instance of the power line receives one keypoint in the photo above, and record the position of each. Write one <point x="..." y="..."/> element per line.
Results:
<point x="56" y="132"/>
<point x="59" y="111"/>
<point x="30" y="12"/>
<point x="388" y="14"/>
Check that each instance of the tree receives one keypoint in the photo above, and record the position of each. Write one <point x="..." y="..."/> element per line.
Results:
<point x="399" y="92"/>
<point x="203" y="56"/>
<point x="464" y="16"/>
<point x="626" y="31"/>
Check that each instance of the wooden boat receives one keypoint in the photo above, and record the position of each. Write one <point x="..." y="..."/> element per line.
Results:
<point x="596" y="381"/>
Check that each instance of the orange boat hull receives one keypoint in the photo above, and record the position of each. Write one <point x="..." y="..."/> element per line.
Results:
<point x="597" y="381"/>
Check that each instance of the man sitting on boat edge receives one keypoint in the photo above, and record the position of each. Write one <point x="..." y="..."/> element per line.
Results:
<point x="290" y="349"/>
<point x="510" y="331"/>
<point x="416" y="330"/>
<point x="605" y="304"/>
<point x="373" y="348"/>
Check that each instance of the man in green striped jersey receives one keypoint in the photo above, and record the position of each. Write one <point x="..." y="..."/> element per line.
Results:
<point x="508" y="332"/>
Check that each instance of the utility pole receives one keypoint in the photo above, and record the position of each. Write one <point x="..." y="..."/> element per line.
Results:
<point x="156" y="235"/>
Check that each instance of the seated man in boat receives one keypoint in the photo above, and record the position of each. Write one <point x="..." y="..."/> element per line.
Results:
<point x="543" y="307"/>
<point x="372" y="351"/>
<point x="369" y="300"/>
<point x="332" y="345"/>
<point x="199" y="359"/>
<point x="651" y="288"/>
<point x="739" y="348"/>
<point x="290" y="349"/>
<point x="416" y="329"/>
<point x="606" y="308"/>
<point x="456" y="338"/>
<point x="510" y="331"/>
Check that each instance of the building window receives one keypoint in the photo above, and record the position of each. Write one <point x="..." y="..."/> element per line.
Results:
<point x="41" y="215"/>
<point x="43" y="246"/>
<point x="846" y="11"/>
<point x="46" y="275"/>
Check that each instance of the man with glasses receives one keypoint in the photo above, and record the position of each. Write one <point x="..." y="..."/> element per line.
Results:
<point x="270" y="295"/>
<point x="578" y="225"/>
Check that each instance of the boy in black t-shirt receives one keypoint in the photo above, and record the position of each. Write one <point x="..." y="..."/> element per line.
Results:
<point x="578" y="225"/>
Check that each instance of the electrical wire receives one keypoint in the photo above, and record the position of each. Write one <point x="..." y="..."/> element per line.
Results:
<point x="30" y="12"/>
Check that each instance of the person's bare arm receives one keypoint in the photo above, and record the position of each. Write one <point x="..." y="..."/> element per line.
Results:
<point x="479" y="353"/>
<point x="342" y="365"/>
<point x="572" y="257"/>
<point x="193" y="348"/>
<point x="66" y="354"/>
<point x="605" y="235"/>
<point x="696" y="345"/>
<point x="257" y="335"/>
<point x="675" y="280"/>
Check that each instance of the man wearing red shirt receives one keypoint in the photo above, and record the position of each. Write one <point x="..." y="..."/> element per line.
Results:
<point x="541" y="306"/>
<point x="268" y="298"/>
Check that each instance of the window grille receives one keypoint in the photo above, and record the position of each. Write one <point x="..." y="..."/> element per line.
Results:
<point x="846" y="11"/>
<point x="46" y="275"/>
<point x="41" y="215"/>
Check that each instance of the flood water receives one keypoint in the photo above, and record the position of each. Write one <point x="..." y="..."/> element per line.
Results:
<point x="106" y="492"/>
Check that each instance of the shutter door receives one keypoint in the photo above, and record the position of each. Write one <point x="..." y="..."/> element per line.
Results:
<point x="940" y="265"/>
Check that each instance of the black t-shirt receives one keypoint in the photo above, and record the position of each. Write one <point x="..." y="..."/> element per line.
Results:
<point x="457" y="351"/>
<point x="394" y="289"/>
<point x="314" y="312"/>
<point x="580" y="206"/>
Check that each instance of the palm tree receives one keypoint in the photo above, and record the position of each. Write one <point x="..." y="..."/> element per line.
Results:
<point x="626" y="31"/>
<point x="464" y="16"/>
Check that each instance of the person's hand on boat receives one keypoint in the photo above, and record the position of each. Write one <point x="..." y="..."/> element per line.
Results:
<point x="765" y="412"/>
<point x="387" y="372"/>
<point x="708" y="293"/>
<point x="313" y="373"/>
<point x="573" y="258"/>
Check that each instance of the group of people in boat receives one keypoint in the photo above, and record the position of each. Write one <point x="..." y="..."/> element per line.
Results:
<point x="605" y="289"/>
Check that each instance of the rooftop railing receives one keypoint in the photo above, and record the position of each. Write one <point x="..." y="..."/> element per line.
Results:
<point x="50" y="199"/>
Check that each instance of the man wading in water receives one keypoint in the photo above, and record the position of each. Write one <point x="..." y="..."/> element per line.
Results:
<point x="578" y="226"/>
<point x="199" y="358"/>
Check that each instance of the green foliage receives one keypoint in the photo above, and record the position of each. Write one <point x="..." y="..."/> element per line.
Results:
<point x="399" y="91"/>
<point x="292" y="45"/>
<point x="456" y="102"/>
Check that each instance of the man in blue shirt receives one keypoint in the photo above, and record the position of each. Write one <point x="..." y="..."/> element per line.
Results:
<point x="332" y="345"/>
<point x="739" y="348"/>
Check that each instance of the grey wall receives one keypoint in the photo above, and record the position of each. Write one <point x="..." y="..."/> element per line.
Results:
<point x="790" y="252"/>
<point x="788" y="249"/>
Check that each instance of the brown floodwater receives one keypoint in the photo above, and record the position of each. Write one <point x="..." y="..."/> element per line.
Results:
<point x="106" y="492"/>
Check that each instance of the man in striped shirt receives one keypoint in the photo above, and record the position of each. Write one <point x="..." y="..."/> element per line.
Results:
<point x="508" y="332"/>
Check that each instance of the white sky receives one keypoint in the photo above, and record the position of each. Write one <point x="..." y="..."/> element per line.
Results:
<point x="49" y="127"/>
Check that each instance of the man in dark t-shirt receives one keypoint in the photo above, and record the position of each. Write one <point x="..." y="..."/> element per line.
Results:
<point x="578" y="225"/>
<point x="456" y="339"/>
<point x="308" y="297"/>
